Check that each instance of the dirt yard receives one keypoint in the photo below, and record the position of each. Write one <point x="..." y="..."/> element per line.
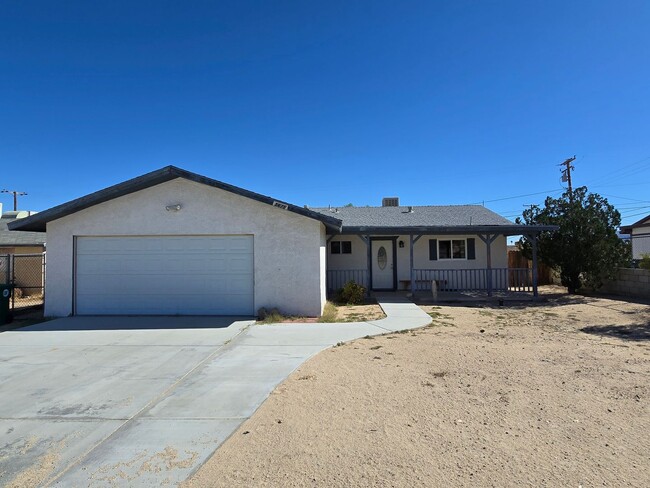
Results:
<point x="554" y="394"/>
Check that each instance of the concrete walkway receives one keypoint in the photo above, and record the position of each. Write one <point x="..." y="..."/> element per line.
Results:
<point x="148" y="415"/>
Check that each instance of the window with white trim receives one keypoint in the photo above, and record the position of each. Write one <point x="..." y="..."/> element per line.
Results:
<point x="341" y="247"/>
<point x="452" y="249"/>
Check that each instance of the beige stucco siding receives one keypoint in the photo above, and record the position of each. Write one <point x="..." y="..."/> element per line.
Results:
<point x="288" y="248"/>
<point x="358" y="259"/>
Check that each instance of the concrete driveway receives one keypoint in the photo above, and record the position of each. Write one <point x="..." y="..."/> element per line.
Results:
<point x="144" y="401"/>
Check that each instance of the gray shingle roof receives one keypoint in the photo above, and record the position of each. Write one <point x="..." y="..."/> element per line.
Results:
<point x="421" y="216"/>
<point x="9" y="238"/>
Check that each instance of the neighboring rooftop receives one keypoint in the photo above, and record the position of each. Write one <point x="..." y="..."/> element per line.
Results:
<point x="10" y="238"/>
<point x="644" y="222"/>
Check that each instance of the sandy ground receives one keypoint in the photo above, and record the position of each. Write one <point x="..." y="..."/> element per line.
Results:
<point x="344" y="313"/>
<point x="359" y="313"/>
<point x="554" y="394"/>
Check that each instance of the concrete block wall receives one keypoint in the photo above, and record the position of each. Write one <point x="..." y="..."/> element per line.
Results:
<point x="629" y="282"/>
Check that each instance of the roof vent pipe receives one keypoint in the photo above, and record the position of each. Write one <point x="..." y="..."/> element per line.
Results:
<point x="410" y="209"/>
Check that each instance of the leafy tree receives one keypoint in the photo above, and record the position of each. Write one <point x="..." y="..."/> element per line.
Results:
<point x="586" y="249"/>
<point x="348" y="205"/>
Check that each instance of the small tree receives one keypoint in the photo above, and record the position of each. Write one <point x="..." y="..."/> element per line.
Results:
<point x="586" y="249"/>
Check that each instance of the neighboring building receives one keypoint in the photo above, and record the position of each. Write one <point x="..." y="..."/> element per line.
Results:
<point x="12" y="242"/>
<point x="21" y="255"/>
<point x="639" y="236"/>
<point x="174" y="242"/>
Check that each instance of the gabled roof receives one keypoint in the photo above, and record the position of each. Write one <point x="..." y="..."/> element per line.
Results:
<point x="18" y="239"/>
<point x="38" y="221"/>
<point x="440" y="219"/>
<point x="627" y="229"/>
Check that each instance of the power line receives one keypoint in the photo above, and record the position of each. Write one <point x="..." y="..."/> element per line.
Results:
<point x="625" y="198"/>
<point x="623" y="172"/>
<point x="634" y="215"/>
<point x="519" y="196"/>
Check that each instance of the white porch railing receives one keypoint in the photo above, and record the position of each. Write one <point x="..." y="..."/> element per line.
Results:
<point x="498" y="279"/>
<point x="336" y="278"/>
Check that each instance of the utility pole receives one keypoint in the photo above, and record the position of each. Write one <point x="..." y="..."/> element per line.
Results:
<point x="566" y="172"/>
<point x="16" y="194"/>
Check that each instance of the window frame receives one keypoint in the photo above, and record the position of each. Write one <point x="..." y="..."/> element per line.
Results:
<point x="451" y="250"/>
<point x="344" y="247"/>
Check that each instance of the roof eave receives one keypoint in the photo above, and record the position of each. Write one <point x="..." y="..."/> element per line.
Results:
<point x="450" y="230"/>
<point x="38" y="222"/>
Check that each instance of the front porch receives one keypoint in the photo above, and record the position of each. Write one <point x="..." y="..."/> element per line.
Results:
<point x="467" y="265"/>
<point x="451" y="284"/>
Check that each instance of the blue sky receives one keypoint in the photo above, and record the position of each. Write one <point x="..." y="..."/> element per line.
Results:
<point x="330" y="102"/>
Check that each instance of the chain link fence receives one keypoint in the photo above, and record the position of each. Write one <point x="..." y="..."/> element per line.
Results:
<point x="26" y="272"/>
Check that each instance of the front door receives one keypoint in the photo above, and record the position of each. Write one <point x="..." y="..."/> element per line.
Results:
<point x="383" y="274"/>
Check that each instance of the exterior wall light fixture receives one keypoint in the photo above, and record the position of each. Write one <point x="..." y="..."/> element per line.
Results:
<point x="401" y="243"/>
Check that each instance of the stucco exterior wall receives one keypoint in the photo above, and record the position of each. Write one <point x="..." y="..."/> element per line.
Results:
<point x="640" y="241"/>
<point x="288" y="248"/>
<point x="358" y="259"/>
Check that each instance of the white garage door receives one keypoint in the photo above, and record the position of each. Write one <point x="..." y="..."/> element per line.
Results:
<point x="187" y="275"/>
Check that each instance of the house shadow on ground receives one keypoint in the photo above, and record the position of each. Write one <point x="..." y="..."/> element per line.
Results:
<point x="33" y="321"/>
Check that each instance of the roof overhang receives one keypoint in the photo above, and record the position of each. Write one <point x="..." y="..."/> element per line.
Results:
<point x="507" y="230"/>
<point x="38" y="222"/>
<point x="627" y="229"/>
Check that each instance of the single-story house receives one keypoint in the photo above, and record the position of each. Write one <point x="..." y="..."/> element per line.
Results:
<point x="175" y="242"/>
<point x="640" y="236"/>
<point x="12" y="242"/>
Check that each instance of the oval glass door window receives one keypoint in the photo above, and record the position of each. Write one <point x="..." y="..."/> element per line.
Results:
<point x="382" y="258"/>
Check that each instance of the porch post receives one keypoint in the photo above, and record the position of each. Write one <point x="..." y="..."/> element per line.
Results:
<point x="411" y="242"/>
<point x="488" y="239"/>
<point x="535" y="274"/>
<point x="367" y="239"/>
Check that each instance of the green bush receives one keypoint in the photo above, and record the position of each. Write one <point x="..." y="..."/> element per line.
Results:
<point x="352" y="293"/>
<point x="645" y="261"/>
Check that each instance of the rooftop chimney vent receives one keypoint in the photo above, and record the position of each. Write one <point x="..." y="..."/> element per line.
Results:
<point x="390" y="202"/>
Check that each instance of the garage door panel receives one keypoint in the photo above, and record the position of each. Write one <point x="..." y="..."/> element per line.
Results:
<point x="211" y="275"/>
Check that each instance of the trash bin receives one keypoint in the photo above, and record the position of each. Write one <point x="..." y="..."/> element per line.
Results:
<point x="5" y="296"/>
